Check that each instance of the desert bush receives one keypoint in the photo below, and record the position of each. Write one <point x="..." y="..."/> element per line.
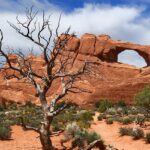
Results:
<point x="132" y="117"/>
<point x="97" y="104"/>
<point x="74" y="133"/>
<point x="125" y="131"/>
<point x="67" y="116"/>
<point x="32" y="121"/>
<point x="118" y="119"/>
<point x="78" y="136"/>
<point x="5" y="132"/>
<point x="100" y="117"/>
<point x="143" y="98"/>
<point x="120" y="110"/>
<point x="56" y="127"/>
<point x="140" y="119"/>
<point x="127" y="120"/>
<point x="104" y="105"/>
<point x="84" y="116"/>
<point x="111" y="111"/>
<point x="133" y="111"/>
<point x="147" y="137"/>
<point x="78" y="142"/>
<point x="72" y="129"/>
<point x="31" y="115"/>
<point x="109" y="120"/>
<point x="11" y="106"/>
<point x="29" y="104"/>
<point x="121" y="103"/>
<point x="2" y="107"/>
<point x="137" y="133"/>
<point x="84" y="125"/>
<point x="91" y="136"/>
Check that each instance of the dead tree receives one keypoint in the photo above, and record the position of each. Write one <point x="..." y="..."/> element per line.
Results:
<point x="56" y="67"/>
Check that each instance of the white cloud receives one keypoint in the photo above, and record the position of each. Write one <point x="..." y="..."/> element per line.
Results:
<point x="120" y="22"/>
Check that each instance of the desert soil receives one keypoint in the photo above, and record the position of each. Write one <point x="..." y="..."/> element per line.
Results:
<point x="28" y="140"/>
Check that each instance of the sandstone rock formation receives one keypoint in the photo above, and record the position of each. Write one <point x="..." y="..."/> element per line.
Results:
<point x="108" y="79"/>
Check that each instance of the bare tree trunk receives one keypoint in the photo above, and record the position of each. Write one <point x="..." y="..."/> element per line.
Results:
<point x="46" y="141"/>
<point x="45" y="134"/>
<point x="45" y="125"/>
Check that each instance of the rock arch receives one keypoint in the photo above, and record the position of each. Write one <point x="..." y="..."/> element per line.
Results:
<point x="111" y="55"/>
<point x="105" y="48"/>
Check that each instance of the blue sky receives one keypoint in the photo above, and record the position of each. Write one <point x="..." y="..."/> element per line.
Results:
<point x="127" y="20"/>
<point x="69" y="5"/>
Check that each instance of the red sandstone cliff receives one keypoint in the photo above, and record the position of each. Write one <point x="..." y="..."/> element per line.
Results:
<point x="108" y="79"/>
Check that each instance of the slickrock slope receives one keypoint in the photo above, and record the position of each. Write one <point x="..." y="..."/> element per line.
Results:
<point x="108" y="79"/>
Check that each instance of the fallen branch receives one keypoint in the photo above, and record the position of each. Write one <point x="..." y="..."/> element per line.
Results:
<point x="97" y="143"/>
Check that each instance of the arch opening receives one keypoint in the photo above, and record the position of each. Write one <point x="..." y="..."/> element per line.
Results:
<point x="131" y="57"/>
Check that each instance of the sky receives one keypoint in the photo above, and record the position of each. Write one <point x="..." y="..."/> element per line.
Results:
<point x="127" y="20"/>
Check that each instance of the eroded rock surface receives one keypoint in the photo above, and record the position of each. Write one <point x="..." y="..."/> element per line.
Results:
<point x="108" y="79"/>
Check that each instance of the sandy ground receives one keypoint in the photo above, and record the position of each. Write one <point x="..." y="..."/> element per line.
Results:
<point x="28" y="140"/>
<point x="110" y="134"/>
<point x="25" y="140"/>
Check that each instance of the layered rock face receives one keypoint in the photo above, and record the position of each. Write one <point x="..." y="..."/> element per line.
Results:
<point x="107" y="79"/>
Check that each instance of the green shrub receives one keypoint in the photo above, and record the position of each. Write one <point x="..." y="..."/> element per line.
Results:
<point x="84" y="118"/>
<point x="29" y="104"/>
<point x="97" y="104"/>
<point x="56" y="127"/>
<point x="118" y="119"/>
<point x="140" y="119"/>
<point x="143" y="98"/>
<point x="109" y="120"/>
<point x="104" y="105"/>
<point x="137" y="133"/>
<point x="132" y="117"/>
<point x="11" y="106"/>
<point x="32" y="121"/>
<point x="148" y="137"/>
<point x="84" y="125"/>
<point x="78" y="136"/>
<point x="5" y="132"/>
<point x="125" y="131"/>
<point x="121" y="103"/>
<point x="78" y="142"/>
<point x="133" y="111"/>
<point x="111" y="111"/>
<point x="100" y="117"/>
<point x="2" y="106"/>
<point x="75" y="134"/>
<point x="91" y="136"/>
<point x="127" y="120"/>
